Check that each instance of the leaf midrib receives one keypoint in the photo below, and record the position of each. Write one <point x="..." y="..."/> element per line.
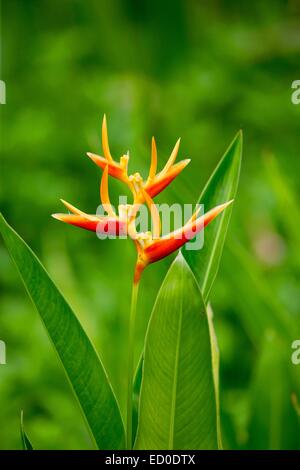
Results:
<point x="175" y="382"/>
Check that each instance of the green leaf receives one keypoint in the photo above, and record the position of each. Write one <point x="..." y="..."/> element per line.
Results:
<point x="220" y="188"/>
<point x="78" y="356"/>
<point x="286" y="197"/>
<point x="271" y="398"/>
<point x="26" y="444"/>
<point x="177" y="403"/>
<point x="136" y="395"/>
<point x="262" y="311"/>
<point x="215" y="356"/>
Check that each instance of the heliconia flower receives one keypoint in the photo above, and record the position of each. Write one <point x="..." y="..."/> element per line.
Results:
<point x="151" y="246"/>
<point x="153" y="249"/>
<point x="155" y="183"/>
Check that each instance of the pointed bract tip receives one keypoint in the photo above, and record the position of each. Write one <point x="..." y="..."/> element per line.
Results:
<point x="177" y="143"/>
<point x="57" y="216"/>
<point x="220" y="207"/>
<point x="97" y="159"/>
<point x="226" y="204"/>
<point x="93" y="156"/>
<point x="214" y="212"/>
<point x="182" y="164"/>
<point x="70" y="207"/>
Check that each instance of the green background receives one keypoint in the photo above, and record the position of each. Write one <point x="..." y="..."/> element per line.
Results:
<point x="169" y="69"/>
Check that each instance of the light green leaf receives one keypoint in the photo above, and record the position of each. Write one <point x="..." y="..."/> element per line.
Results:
<point x="215" y="354"/>
<point x="220" y="188"/>
<point x="26" y="444"/>
<point x="177" y="402"/>
<point x="78" y="356"/>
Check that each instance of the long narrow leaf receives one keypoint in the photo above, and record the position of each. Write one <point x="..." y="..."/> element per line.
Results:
<point x="79" y="358"/>
<point x="220" y="188"/>
<point x="177" y="403"/>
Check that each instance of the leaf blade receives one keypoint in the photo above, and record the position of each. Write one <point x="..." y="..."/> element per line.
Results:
<point x="177" y="369"/>
<point x="81" y="363"/>
<point x="221" y="187"/>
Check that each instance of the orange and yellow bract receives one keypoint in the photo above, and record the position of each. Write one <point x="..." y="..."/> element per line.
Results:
<point x="151" y="246"/>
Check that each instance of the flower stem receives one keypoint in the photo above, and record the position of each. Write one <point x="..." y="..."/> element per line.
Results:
<point x="135" y="288"/>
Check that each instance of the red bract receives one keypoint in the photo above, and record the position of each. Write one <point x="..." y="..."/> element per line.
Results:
<point x="151" y="247"/>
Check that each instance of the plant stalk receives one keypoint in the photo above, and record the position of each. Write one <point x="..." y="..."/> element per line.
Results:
<point x="135" y="289"/>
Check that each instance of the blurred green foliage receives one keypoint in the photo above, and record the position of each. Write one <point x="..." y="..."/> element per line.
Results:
<point x="173" y="68"/>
